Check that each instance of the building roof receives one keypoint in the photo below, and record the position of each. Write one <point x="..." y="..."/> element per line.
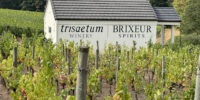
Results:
<point x="167" y="14"/>
<point x="103" y="10"/>
<point x="112" y="10"/>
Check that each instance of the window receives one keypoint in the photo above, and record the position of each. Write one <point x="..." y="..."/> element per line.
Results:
<point x="49" y="29"/>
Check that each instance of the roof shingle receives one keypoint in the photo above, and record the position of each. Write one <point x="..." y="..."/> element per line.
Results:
<point x="103" y="10"/>
<point x="167" y="14"/>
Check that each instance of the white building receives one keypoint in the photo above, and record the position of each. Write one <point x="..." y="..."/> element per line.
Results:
<point x="107" y="21"/>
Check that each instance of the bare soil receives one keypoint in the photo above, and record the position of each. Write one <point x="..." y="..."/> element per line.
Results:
<point x="168" y="35"/>
<point x="4" y="93"/>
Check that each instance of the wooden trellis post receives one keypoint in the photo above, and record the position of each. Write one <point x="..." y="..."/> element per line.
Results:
<point x="33" y="53"/>
<point x="118" y="63"/>
<point x="163" y="74"/>
<point x="33" y="56"/>
<point x="197" y="87"/>
<point x="163" y="70"/>
<point x="127" y="56"/>
<point x="118" y="68"/>
<point x="134" y="45"/>
<point x="153" y="72"/>
<point x="190" y="55"/>
<point x="69" y="62"/>
<point x="81" y="87"/>
<point x="14" y="60"/>
<point x="133" y="49"/>
<point x="97" y="56"/>
<point x="63" y="50"/>
<point x="66" y="53"/>
<point x="15" y="57"/>
<point x="180" y="39"/>
<point x="109" y="52"/>
<point x="132" y="54"/>
<point x="109" y="55"/>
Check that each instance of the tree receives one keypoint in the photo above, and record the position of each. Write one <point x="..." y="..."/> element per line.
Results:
<point x="180" y="6"/>
<point x="170" y="2"/>
<point x="40" y="5"/>
<point x="10" y="4"/>
<point x="159" y="3"/>
<point x="191" y="17"/>
<point x="31" y="5"/>
<point x="28" y="5"/>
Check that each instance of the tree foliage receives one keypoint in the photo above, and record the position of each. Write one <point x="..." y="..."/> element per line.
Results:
<point x="28" y="5"/>
<point x="180" y="6"/>
<point x="31" y="5"/>
<point x="10" y="4"/>
<point x="40" y="4"/>
<point x="191" y="17"/>
<point x="161" y="3"/>
<point x="189" y="11"/>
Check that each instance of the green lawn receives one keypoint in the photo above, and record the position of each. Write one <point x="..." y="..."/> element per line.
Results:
<point x="21" y="19"/>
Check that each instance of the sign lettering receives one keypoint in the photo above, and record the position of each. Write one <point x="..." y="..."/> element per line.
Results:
<point x="81" y="29"/>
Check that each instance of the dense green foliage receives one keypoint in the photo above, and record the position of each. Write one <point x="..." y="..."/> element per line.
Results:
<point x="189" y="11"/>
<point x="191" y="17"/>
<point x="161" y="3"/>
<point x="10" y="4"/>
<point x="180" y="6"/>
<point x="19" y="22"/>
<point x="41" y="76"/>
<point x="31" y="5"/>
<point x="191" y="39"/>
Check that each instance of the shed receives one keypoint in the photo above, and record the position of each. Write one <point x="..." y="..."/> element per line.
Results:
<point x="107" y="21"/>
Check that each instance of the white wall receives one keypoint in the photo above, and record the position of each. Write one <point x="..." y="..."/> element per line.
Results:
<point x="49" y="21"/>
<point x="107" y="35"/>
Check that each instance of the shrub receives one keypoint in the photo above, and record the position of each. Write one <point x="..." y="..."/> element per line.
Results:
<point x="188" y="39"/>
<point x="18" y="31"/>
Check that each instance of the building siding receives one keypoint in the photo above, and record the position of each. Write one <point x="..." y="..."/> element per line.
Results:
<point x="49" y="21"/>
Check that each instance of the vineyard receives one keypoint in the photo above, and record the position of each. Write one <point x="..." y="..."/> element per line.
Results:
<point x="35" y="68"/>
<point x="19" y="22"/>
<point x="22" y="19"/>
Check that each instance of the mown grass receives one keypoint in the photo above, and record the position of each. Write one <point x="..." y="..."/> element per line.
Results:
<point x="21" y="19"/>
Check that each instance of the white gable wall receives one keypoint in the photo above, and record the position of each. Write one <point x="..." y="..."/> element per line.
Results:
<point x="49" y="22"/>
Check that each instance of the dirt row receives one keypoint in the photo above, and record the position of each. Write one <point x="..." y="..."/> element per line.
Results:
<point x="4" y="92"/>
